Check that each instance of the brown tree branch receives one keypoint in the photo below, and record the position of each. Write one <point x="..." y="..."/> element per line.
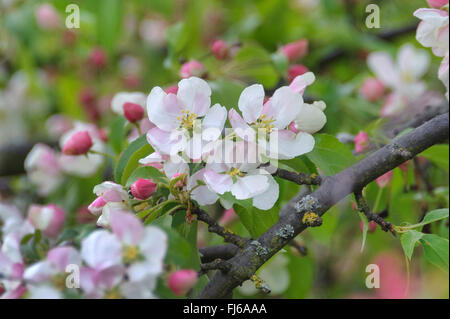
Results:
<point x="332" y="190"/>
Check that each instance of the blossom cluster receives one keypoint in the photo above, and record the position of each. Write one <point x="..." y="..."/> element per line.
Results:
<point x="184" y="129"/>
<point x="123" y="262"/>
<point x="433" y="32"/>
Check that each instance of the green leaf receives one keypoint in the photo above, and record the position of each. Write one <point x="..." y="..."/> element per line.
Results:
<point x="130" y="157"/>
<point x="177" y="37"/>
<point x="438" y="155"/>
<point x="179" y="250"/>
<point x="256" y="221"/>
<point x="409" y="240"/>
<point x="254" y="64"/>
<point x="117" y="134"/>
<point x="364" y="230"/>
<point x="330" y="155"/>
<point x="435" y="250"/>
<point x="146" y="172"/>
<point x="109" y="15"/>
<point x="435" y="215"/>
<point x="281" y="62"/>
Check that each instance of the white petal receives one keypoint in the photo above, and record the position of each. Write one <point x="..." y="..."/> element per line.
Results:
<point x="267" y="199"/>
<point x="251" y="102"/>
<point x="175" y="165"/>
<point x="202" y="194"/>
<point x="194" y="95"/>
<point x="220" y="183"/>
<point x="39" y="272"/>
<point x="283" y="107"/>
<point x="240" y="126"/>
<point x="249" y="186"/>
<point x="291" y="145"/>
<point x="121" y="98"/>
<point x="213" y="123"/>
<point x="301" y="82"/>
<point x="101" y="250"/>
<point x="310" y="119"/>
<point x="413" y="63"/>
<point x="167" y="142"/>
<point x="383" y="67"/>
<point x="163" y="109"/>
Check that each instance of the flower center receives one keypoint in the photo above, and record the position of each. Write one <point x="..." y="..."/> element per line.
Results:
<point x="59" y="281"/>
<point x="235" y="172"/>
<point x="264" y="123"/>
<point x="187" y="119"/>
<point x="113" y="293"/>
<point x="130" y="254"/>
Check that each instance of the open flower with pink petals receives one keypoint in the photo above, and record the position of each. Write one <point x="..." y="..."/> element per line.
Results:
<point x="239" y="174"/>
<point x="311" y="117"/>
<point x="267" y="122"/>
<point x="110" y="196"/>
<point x="102" y="253"/>
<point x="52" y="273"/>
<point x="433" y="32"/>
<point x="49" y="219"/>
<point x="179" y="118"/>
<point x="402" y="77"/>
<point x="43" y="169"/>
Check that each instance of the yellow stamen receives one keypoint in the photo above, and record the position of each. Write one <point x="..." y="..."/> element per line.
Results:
<point x="187" y="119"/>
<point x="235" y="172"/>
<point x="130" y="253"/>
<point x="113" y="293"/>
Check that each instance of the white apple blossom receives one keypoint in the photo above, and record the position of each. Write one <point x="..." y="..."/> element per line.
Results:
<point x="311" y="117"/>
<point x="433" y="32"/>
<point x="185" y="122"/>
<point x="47" y="278"/>
<point x="111" y="197"/>
<point x="402" y="76"/>
<point x="267" y="122"/>
<point x="239" y="174"/>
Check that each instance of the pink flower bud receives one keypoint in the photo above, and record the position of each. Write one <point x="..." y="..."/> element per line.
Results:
<point x="49" y="219"/>
<point x="172" y="89"/>
<point x="180" y="282"/>
<point x="98" y="58"/>
<point x="192" y="68"/>
<point x="133" y="112"/>
<point x="96" y="206"/>
<point x="47" y="17"/>
<point x="437" y="4"/>
<point x="384" y="179"/>
<point x="295" y="50"/>
<point x="78" y="144"/>
<point x="372" y="226"/>
<point x="296" y="70"/>
<point x="294" y="128"/>
<point x="228" y="217"/>
<point x="361" y="141"/>
<point x="220" y="49"/>
<point x="143" y="188"/>
<point x="372" y="89"/>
